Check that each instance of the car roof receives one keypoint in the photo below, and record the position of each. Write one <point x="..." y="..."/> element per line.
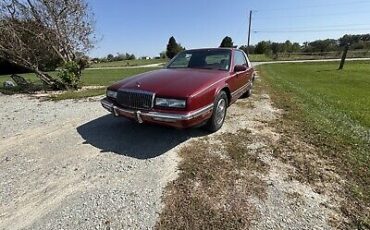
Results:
<point x="213" y="48"/>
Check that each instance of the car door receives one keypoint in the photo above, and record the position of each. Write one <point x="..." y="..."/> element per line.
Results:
<point x="242" y="78"/>
<point x="250" y="70"/>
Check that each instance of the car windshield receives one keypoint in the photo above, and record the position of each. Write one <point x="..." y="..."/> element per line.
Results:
<point x="202" y="59"/>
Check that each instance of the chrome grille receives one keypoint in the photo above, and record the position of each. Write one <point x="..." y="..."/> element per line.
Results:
<point x="135" y="99"/>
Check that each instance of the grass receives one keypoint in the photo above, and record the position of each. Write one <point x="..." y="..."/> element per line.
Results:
<point x="259" y="58"/>
<point x="105" y="77"/>
<point x="214" y="185"/>
<point x="90" y="77"/>
<point x="78" y="94"/>
<point x="128" y="63"/>
<point x="30" y="77"/>
<point x="329" y="109"/>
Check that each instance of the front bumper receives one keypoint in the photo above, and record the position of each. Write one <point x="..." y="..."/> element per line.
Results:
<point x="178" y="120"/>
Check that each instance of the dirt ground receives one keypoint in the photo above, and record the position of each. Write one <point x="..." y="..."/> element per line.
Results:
<point x="69" y="165"/>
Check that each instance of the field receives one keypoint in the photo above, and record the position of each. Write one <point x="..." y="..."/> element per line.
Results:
<point x="329" y="109"/>
<point x="126" y="63"/>
<point x="259" y="58"/>
<point x="90" y="77"/>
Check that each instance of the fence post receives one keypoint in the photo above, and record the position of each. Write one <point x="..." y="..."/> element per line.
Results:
<point x="344" y="55"/>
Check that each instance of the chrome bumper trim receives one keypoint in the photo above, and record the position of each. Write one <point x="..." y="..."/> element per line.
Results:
<point x="169" y="117"/>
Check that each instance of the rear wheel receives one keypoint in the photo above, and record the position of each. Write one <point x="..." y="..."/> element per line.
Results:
<point x="219" y="113"/>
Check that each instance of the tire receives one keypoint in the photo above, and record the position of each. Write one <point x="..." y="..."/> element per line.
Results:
<point x="219" y="113"/>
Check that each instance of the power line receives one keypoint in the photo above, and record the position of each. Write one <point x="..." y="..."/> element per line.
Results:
<point x="301" y="31"/>
<point x="314" y="15"/>
<point x="315" y="27"/>
<point x="310" y="6"/>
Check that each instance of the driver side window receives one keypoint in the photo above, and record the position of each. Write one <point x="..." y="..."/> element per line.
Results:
<point x="239" y="59"/>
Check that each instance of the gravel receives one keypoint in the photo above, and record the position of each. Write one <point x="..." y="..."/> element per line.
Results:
<point x="69" y="165"/>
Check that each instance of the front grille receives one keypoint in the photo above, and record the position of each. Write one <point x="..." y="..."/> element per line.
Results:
<point x="135" y="99"/>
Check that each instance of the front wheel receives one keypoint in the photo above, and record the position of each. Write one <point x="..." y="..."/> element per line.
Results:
<point x="219" y="113"/>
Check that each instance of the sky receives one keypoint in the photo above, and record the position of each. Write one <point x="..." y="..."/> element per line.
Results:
<point x="143" y="27"/>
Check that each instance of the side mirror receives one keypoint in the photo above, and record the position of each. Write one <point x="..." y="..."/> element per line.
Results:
<point x="240" y="68"/>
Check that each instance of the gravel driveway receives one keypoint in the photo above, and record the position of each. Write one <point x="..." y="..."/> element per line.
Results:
<point x="67" y="164"/>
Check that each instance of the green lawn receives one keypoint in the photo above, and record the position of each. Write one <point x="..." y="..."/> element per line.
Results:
<point x="105" y="77"/>
<point x="338" y="95"/>
<point x="332" y="109"/>
<point x="30" y="77"/>
<point x="128" y="63"/>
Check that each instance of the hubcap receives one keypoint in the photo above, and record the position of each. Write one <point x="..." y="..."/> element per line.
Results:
<point x="220" y="111"/>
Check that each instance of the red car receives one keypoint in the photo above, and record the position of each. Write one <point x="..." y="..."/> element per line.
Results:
<point x="194" y="89"/>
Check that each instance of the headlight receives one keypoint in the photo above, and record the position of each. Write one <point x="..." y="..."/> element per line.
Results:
<point x="111" y="93"/>
<point x="173" y="103"/>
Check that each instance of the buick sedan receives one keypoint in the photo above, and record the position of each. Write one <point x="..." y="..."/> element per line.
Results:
<point x="194" y="89"/>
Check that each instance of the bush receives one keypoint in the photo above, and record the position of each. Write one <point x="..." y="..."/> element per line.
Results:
<point x="70" y="74"/>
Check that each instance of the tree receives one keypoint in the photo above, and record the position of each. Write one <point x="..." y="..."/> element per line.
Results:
<point x="162" y="55"/>
<point x="275" y="47"/>
<point x="287" y="46"/>
<point x="9" y="68"/>
<point x="131" y="57"/>
<point x="173" y="48"/>
<point x="247" y="50"/>
<point x="296" y="47"/>
<point x="324" y="45"/>
<point x="227" y="42"/>
<point x="34" y="30"/>
<point x="119" y="57"/>
<point x="110" y="57"/>
<point x="263" y="47"/>
<point x="360" y="41"/>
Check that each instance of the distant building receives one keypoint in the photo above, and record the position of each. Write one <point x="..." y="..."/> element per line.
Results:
<point x="145" y="58"/>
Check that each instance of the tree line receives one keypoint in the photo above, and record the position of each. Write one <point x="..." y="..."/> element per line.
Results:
<point x="113" y="58"/>
<point x="355" y="42"/>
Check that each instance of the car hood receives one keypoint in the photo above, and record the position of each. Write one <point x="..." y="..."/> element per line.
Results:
<point x="172" y="82"/>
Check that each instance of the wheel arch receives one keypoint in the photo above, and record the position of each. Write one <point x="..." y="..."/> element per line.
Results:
<point x="227" y="91"/>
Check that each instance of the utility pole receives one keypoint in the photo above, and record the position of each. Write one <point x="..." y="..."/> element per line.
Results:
<point x="249" y="30"/>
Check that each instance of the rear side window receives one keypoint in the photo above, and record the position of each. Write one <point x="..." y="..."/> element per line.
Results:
<point x="239" y="58"/>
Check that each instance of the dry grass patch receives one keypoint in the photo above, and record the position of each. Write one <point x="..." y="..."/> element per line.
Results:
<point x="214" y="185"/>
<point x="236" y="149"/>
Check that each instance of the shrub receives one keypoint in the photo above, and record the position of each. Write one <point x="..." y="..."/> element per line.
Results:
<point x="70" y="74"/>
